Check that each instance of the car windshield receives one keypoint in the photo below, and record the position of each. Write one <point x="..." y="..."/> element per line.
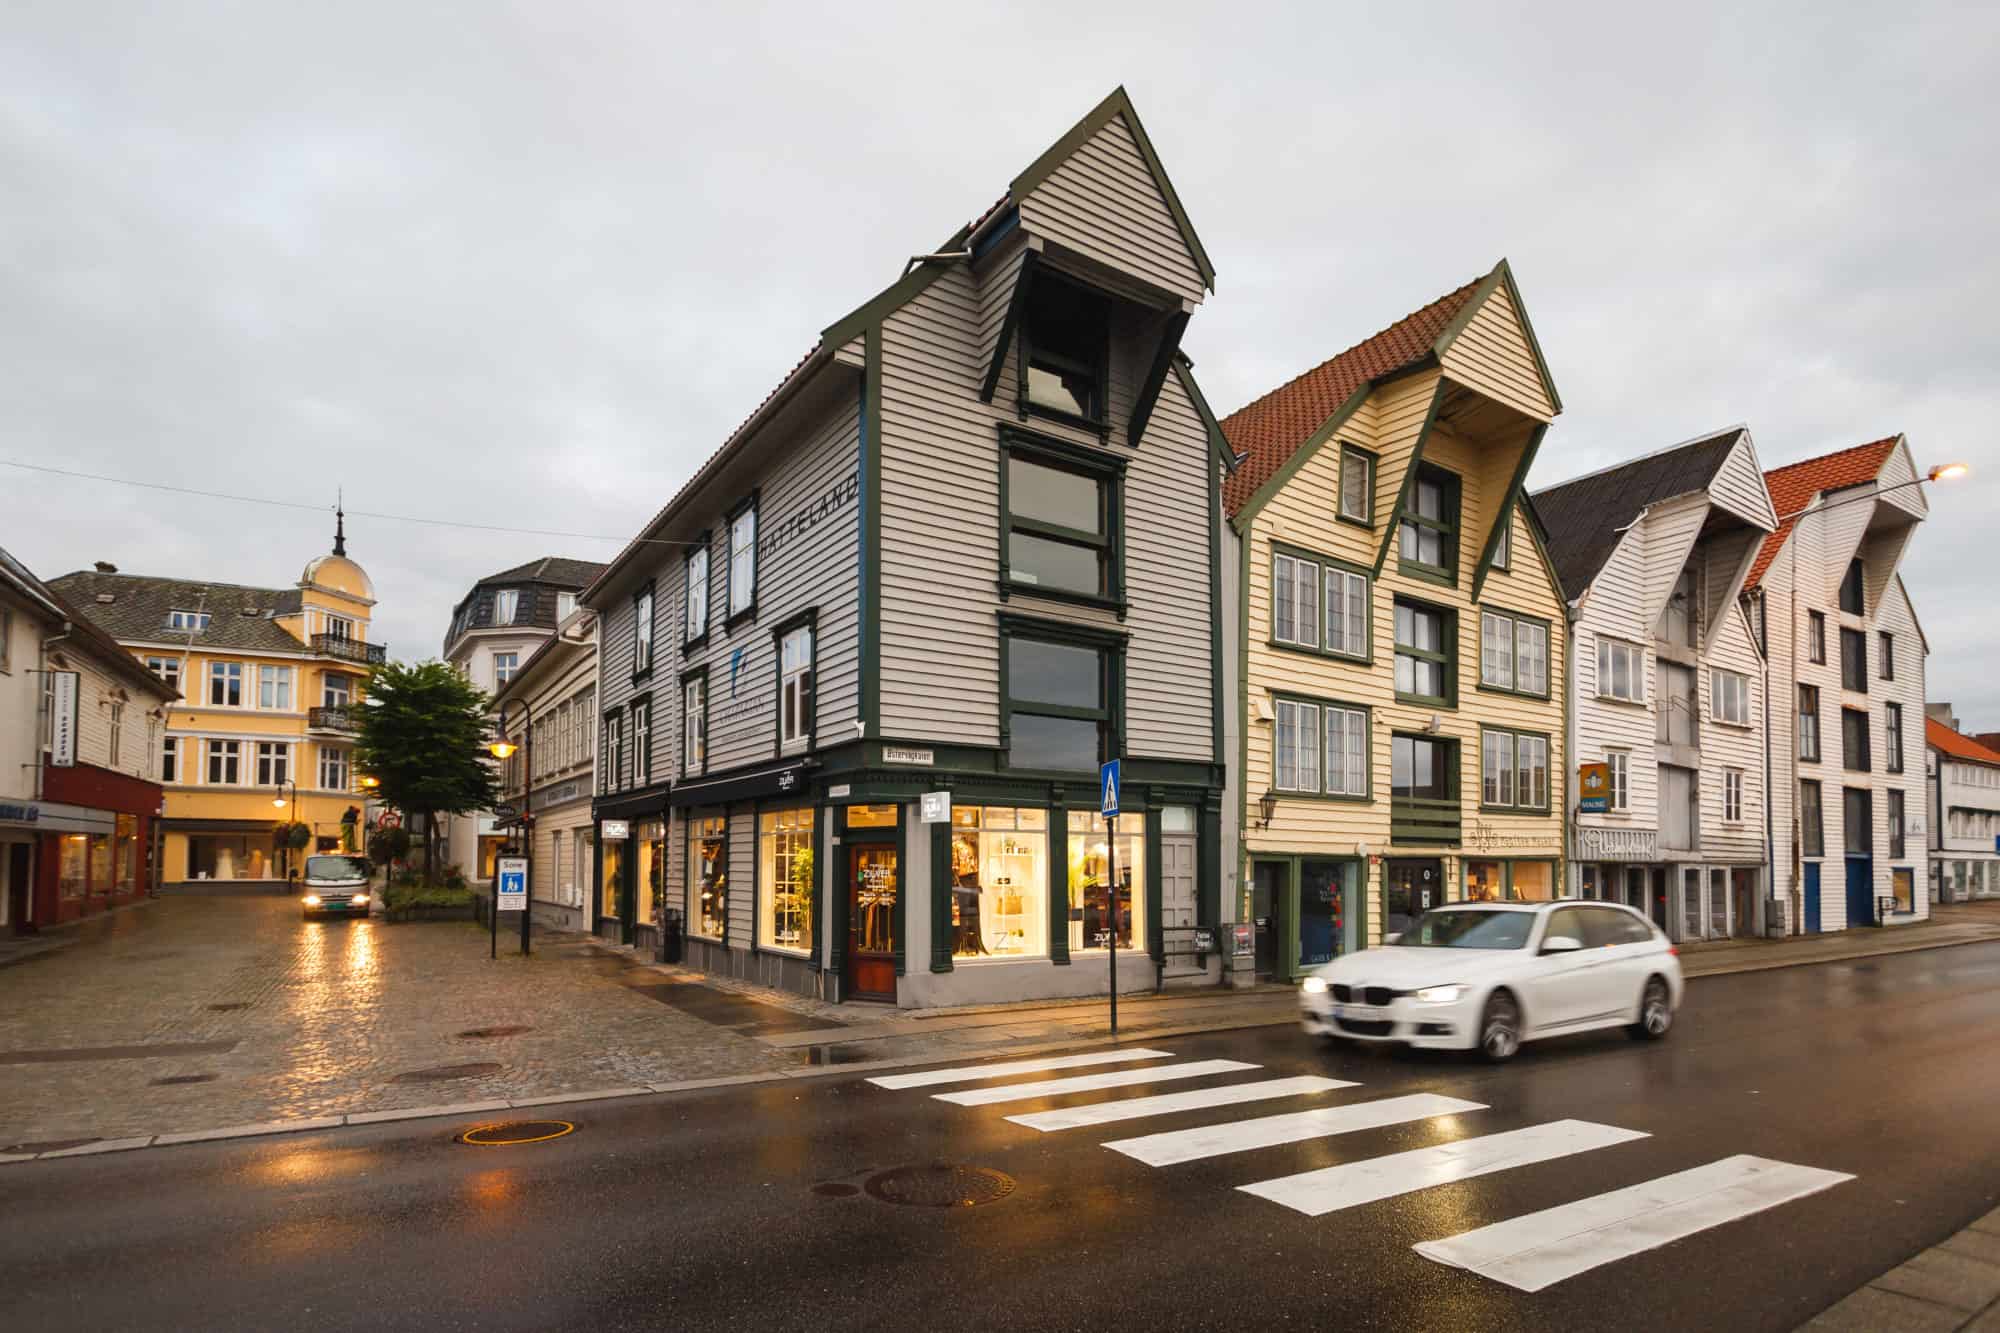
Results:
<point x="336" y="867"/>
<point x="1462" y="928"/>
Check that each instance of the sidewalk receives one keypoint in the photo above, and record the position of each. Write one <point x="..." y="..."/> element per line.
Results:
<point x="1951" y="1286"/>
<point x="1961" y="923"/>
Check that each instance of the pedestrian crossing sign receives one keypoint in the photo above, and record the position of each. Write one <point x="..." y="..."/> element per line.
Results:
<point x="1108" y="775"/>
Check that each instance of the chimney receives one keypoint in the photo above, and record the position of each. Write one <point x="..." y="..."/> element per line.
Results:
<point x="106" y="567"/>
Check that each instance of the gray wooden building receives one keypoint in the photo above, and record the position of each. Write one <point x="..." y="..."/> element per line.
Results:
<point x="969" y="546"/>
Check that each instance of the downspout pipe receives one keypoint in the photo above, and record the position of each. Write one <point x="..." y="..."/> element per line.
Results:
<point x="943" y="256"/>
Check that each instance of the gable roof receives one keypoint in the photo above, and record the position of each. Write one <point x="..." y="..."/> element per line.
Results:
<point x="1794" y="485"/>
<point x="1587" y="516"/>
<point x="138" y="607"/>
<point x="1956" y="744"/>
<point x="85" y="634"/>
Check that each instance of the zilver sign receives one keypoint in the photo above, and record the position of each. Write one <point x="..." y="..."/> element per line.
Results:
<point x="62" y="729"/>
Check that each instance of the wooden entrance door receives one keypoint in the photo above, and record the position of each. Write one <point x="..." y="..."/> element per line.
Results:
<point x="1177" y="901"/>
<point x="872" y="885"/>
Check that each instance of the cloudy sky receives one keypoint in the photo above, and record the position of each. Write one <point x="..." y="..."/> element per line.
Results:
<point x="527" y="264"/>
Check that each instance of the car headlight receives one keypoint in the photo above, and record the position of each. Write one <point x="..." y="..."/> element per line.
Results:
<point x="1440" y="994"/>
<point x="311" y="900"/>
<point x="360" y="899"/>
<point x="1313" y="985"/>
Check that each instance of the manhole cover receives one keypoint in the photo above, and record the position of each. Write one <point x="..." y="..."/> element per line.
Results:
<point x="940" y="1186"/>
<point x="443" y="1072"/>
<point x="515" y="1131"/>
<point x="513" y="1030"/>
<point x="833" y="1189"/>
<point x="47" y="1145"/>
<point x="229" y="1008"/>
<point x="175" y="1080"/>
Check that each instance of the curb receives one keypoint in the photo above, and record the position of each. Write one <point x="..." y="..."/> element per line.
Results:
<point x="1955" y="1284"/>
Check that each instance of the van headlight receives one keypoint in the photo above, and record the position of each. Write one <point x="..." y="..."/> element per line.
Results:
<point x="360" y="900"/>
<point x="311" y="900"/>
<point x="1440" y="995"/>
<point x="1313" y="985"/>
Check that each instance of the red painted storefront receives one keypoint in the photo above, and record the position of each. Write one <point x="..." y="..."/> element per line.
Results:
<point x="79" y="873"/>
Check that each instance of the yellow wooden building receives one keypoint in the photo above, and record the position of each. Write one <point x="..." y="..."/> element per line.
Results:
<point x="1400" y="731"/>
<point x="270" y="682"/>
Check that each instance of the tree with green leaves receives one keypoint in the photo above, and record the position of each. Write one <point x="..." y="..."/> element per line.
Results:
<point x="423" y="737"/>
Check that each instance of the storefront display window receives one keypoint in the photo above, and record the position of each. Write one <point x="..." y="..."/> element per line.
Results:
<point x="126" y="855"/>
<point x="1690" y="904"/>
<point x="1000" y="882"/>
<point x="785" y="876"/>
<point x="1483" y="883"/>
<point x="100" y="862"/>
<point x="614" y="867"/>
<point x="73" y="875"/>
<point x="652" y="868"/>
<point x="1090" y="884"/>
<point x="1531" y="882"/>
<point x="1904" y="884"/>
<point x="1718" y="904"/>
<point x="1324" y="887"/>
<point x="1587" y="883"/>
<point x="708" y="874"/>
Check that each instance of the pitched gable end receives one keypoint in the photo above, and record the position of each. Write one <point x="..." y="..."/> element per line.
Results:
<point x="1491" y="347"/>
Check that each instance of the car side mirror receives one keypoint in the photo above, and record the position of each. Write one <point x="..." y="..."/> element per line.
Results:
<point x="1561" y="944"/>
<point x="1392" y="937"/>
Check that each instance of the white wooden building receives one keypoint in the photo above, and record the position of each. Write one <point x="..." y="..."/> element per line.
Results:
<point x="1962" y="792"/>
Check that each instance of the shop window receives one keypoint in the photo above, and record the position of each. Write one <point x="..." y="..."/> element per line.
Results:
<point x="1091" y="886"/>
<point x="1812" y="823"/>
<point x="1903" y="883"/>
<point x="1854" y="661"/>
<point x="73" y="867"/>
<point x="1323" y="890"/>
<point x="1357" y="485"/>
<point x="1058" y="711"/>
<point x="1587" y="883"/>
<point x="1729" y="697"/>
<point x="1809" y="722"/>
<point x="225" y="684"/>
<point x="1892" y="739"/>
<point x="999" y="882"/>
<point x="1854" y="753"/>
<point x="1513" y="770"/>
<point x="1426" y="672"/>
<point x="1065" y="344"/>
<point x="615" y="852"/>
<point x="642" y="631"/>
<point x="186" y="620"/>
<point x="1513" y="653"/>
<point x="1816" y="637"/>
<point x="1483" y="883"/>
<point x="708" y="875"/>
<point x="1531" y="881"/>
<point x="650" y="852"/>
<point x="1429" y="536"/>
<point x="785" y="871"/>
<point x="1060" y="526"/>
<point x="697" y="590"/>
<point x="1621" y="671"/>
<point x="795" y="687"/>
<point x="100" y="862"/>
<point x="1850" y="589"/>
<point x="743" y="561"/>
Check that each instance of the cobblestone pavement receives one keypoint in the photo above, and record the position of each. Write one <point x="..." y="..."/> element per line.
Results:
<point x="320" y="1018"/>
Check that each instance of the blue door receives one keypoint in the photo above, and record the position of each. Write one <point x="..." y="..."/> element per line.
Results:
<point x="1812" y="897"/>
<point x="1860" y="890"/>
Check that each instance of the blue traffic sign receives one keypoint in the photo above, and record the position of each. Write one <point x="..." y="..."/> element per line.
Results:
<point x="1108" y="776"/>
<point x="512" y="883"/>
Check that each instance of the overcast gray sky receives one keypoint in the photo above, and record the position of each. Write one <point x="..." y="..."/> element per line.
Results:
<point x="530" y="263"/>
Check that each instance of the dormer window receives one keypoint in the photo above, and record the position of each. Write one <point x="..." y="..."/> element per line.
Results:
<point x="194" y="620"/>
<point x="506" y="604"/>
<point x="1064" y="349"/>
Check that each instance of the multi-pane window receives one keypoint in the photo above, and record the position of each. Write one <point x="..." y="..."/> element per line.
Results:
<point x="1429" y="537"/>
<point x="1346" y="752"/>
<point x="1809" y="722"/>
<point x="274" y="687"/>
<point x="697" y="593"/>
<point x="225" y="763"/>
<point x="1424" y="668"/>
<point x="1853" y="660"/>
<point x="506" y="606"/>
<point x="1816" y="637"/>
<point x="1297" y="747"/>
<point x="1897" y="846"/>
<point x="335" y="773"/>
<point x="274" y="762"/>
<point x="1296" y="606"/>
<point x="1063" y="350"/>
<point x="1729" y="697"/>
<point x="1357" y="486"/>
<point x="743" y="562"/>
<point x="504" y="667"/>
<point x="1620" y="764"/>
<point x="1423" y="768"/>
<point x="195" y="620"/>
<point x="1854" y="754"/>
<point x="1892" y="740"/>
<point x="1513" y="653"/>
<point x="170" y="759"/>
<point x="167" y="669"/>
<point x="1812" y="823"/>
<point x="225" y="684"/>
<point x="1621" y="670"/>
<point x="785" y="871"/>
<point x="1060" y="525"/>
<point x="642" y="630"/>
<point x="1295" y="601"/>
<point x="1732" y="795"/>
<point x="1850" y="589"/>
<point x="1513" y="770"/>
<point x="1857" y="819"/>
<point x="1058" y="703"/>
<point x="1887" y="651"/>
<point x="1320" y="748"/>
<point x="694" y="725"/>
<point x="336" y="690"/>
<point x="795" y="686"/>
<point x="117" y="742"/>
<point x="614" y="751"/>
<point x="337" y="627"/>
<point x="642" y="741"/>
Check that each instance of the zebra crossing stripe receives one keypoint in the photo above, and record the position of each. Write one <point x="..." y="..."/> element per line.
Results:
<point x="1136" y="1108"/>
<point x="1329" y="1189"/>
<point x="1189" y="1145"/>
<point x="1117" y="1078"/>
<point x="1541" y="1249"/>
<point x="968" y="1073"/>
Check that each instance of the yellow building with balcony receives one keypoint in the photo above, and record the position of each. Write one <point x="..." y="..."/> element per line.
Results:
<point x="263" y="733"/>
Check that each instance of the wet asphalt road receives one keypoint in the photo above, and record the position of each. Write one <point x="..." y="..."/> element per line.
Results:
<point x="697" y="1211"/>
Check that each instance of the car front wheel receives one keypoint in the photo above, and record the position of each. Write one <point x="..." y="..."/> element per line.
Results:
<point x="1656" y="1012"/>
<point x="1500" y="1028"/>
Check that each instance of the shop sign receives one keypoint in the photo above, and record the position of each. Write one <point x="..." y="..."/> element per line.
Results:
<point x="63" y="728"/>
<point x="935" y="807"/>
<point x="1486" y="837"/>
<point x="906" y="754"/>
<point x="839" y="792"/>
<point x="19" y="814"/>
<point x="788" y="781"/>
<point x="1593" y="787"/>
<point x="615" y="830"/>
<point x="1617" y="844"/>
<point x="505" y="810"/>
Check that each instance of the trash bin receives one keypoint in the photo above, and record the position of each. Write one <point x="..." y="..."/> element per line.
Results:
<point x="670" y="936"/>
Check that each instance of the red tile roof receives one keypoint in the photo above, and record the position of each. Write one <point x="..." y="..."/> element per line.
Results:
<point x="1793" y="487"/>
<point x="1956" y="744"/>
<point x="1267" y="432"/>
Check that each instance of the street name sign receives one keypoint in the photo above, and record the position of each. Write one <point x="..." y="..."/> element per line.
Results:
<point x="512" y="884"/>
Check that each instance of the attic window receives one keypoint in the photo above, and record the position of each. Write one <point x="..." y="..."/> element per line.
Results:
<point x="196" y="620"/>
<point x="1064" y="349"/>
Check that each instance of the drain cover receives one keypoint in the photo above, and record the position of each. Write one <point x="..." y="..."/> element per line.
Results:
<point x="229" y="1008"/>
<point x="175" y="1080"/>
<point x="443" y="1072"/>
<point x="940" y="1186"/>
<point x="515" y="1131"/>
<point x="513" y="1030"/>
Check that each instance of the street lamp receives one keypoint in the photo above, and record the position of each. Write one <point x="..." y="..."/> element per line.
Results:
<point x="286" y="844"/>
<point x="504" y="749"/>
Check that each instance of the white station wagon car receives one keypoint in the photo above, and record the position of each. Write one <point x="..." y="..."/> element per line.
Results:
<point x="1489" y="976"/>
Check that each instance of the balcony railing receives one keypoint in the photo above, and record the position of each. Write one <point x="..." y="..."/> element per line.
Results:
<point x="350" y="650"/>
<point x="333" y="717"/>
<point x="1417" y="819"/>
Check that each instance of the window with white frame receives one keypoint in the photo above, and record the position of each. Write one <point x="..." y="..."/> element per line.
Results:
<point x="1320" y="748"/>
<point x="1296" y="585"/>
<point x="274" y="687"/>
<point x="1346" y="612"/>
<point x="1503" y="546"/>
<point x="642" y="741"/>
<point x="504" y="667"/>
<point x="117" y="731"/>
<point x="1809" y="722"/>
<point x="168" y="669"/>
<point x="1296" y="750"/>
<point x="170" y="759"/>
<point x="1729" y="697"/>
<point x="1732" y="795"/>
<point x="565" y="607"/>
<point x="795" y="686"/>
<point x="184" y="620"/>
<point x="225" y="684"/>
<point x="1357" y="486"/>
<point x="694" y="725"/>
<point x="642" y="630"/>
<point x="1620" y="764"/>
<point x="273" y="763"/>
<point x="336" y="627"/>
<point x="336" y="690"/>
<point x="225" y="763"/>
<point x="614" y="752"/>
<point x="1513" y="653"/>
<point x="743" y="561"/>
<point x="1295" y="601"/>
<point x="1621" y="670"/>
<point x="1513" y="770"/>
<point x="697" y="593"/>
<point x="1346" y="751"/>
<point x="506" y="605"/>
<point x="335" y="772"/>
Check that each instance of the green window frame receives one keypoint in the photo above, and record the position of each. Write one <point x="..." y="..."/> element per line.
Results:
<point x="1082" y="351"/>
<point x="1335" y="587"/>
<point x="1106" y="539"/>
<point x="1109" y="712"/>
<point x="1519" y="657"/>
<point x="1354" y="456"/>
<point x="1320" y="728"/>
<point x="1441" y="528"/>
<point x="1444" y="656"/>
<point x="1509" y="780"/>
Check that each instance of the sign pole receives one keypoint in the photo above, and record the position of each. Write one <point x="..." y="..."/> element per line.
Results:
<point x="493" y="918"/>
<point x="1111" y="862"/>
<point x="527" y="875"/>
